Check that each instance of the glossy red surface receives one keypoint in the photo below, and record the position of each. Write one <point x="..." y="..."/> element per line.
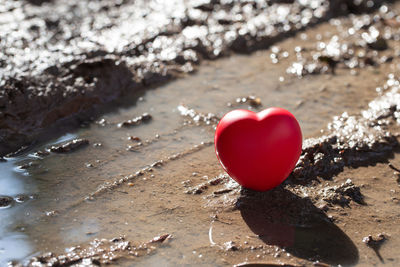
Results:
<point x="258" y="150"/>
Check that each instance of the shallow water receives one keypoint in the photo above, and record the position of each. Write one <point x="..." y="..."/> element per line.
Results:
<point x="57" y="213"/>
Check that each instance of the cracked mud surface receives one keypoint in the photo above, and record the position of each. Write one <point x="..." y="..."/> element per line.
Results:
<point x="158" y="174"/>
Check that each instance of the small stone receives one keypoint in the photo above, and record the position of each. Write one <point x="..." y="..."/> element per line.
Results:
<point x="230" y="246"/>
<point x="5" y="201"/>
<point x="70" y="146"/>
<point x="22" y="198"/>
<point x="379" y="44"/>
<point x="134" y="138"/>
<point x="374" y="243"/>
<point x="255" y="102"/>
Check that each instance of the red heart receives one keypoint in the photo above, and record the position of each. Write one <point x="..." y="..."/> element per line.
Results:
<point x="258" y="150"/>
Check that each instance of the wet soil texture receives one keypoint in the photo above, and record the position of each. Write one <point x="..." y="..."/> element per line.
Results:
<point x="60" y="58"/>
<point x="148" y="168"/>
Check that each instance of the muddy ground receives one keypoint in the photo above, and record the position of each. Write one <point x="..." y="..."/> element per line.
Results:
<point x="140" y="184"/>
<point x="60" y="58"/>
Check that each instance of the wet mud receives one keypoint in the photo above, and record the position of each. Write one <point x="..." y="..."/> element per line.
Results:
<point x="61" y="58"/>
<point x="158" y="174"/>
<point x="99" y="252"/>
<point x="284" y="219"/>
<point x="354" y="141"/>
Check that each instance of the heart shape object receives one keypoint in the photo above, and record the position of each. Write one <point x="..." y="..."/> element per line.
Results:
<point x="258" y="150"/>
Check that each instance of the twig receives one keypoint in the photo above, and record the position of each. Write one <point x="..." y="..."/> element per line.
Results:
<point x="393" y="167"/>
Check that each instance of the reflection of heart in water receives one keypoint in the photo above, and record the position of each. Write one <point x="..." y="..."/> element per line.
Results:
<point x="258" y="150"/>
<point x="284" y="219"/>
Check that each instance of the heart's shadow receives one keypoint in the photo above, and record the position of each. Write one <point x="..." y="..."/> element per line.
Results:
<point x="284" y="219"/>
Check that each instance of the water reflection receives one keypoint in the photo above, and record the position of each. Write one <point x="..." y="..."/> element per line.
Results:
<point x="18" y="186"/>
<point x="13" y="246"/>
<point x="10" y="182"/>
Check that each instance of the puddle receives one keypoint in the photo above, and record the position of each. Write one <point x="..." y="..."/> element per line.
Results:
<point x="14" y="244"/>
<point x="59" y="213"/>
